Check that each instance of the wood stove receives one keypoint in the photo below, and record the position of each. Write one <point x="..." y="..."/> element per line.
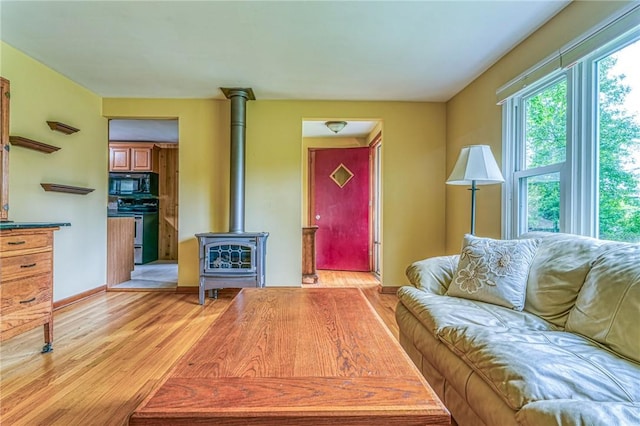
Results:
<point x="233" y="259"/>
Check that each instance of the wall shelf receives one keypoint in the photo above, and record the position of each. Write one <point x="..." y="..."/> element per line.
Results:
<point x="31" y="144"/>
<point x="61" y="127"/>
<point x="56" y="187"/>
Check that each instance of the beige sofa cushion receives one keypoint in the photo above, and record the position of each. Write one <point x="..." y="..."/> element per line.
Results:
<point x="528" y="366"/>
<point x="608" y="307"/>
<point x="557" y="273"/>
<point x="578" y="413"/>
<point x="436" y="312"/>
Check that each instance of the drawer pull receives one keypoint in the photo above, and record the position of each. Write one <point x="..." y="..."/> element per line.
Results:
<point x="16" y="243"/>
<point x="31" y="265"/>
<point x="28" y="301"/>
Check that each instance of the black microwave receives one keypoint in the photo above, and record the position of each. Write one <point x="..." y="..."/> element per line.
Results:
<point x="133" y="184"/>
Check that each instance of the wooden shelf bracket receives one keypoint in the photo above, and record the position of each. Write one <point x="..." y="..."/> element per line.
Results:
<point x="61" y="127"/>
<point x="31" y="144"/>
<point x="56" y="187"/>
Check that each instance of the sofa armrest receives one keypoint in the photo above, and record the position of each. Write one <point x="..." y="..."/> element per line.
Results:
<point x="433" y="274"/>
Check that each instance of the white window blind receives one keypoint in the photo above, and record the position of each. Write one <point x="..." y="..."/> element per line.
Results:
<point x="623" y="21"/>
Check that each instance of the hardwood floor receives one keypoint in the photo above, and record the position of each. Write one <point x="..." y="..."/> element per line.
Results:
<point x="344" y="279"/>
<point x="109" y="351"/>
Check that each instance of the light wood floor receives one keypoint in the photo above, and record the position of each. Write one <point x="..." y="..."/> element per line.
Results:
<point x="109" y="351"/>
<point x="344" y="279"/>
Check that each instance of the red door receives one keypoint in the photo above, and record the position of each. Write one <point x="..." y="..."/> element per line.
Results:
<point x="340" y="208"/>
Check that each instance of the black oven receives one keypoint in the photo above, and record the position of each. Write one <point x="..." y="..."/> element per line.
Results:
<point x="144" y="210"/>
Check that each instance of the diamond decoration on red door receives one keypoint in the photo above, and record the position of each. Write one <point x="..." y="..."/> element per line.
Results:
<point x="341" y="175"/>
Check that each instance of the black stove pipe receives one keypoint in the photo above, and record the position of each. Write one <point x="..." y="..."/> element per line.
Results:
<point x="238" y="98"/>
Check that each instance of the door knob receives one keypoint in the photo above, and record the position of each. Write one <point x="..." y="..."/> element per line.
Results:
<point x="317" y="217"/>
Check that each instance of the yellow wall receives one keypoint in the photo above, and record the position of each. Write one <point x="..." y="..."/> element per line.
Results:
<point x="39" y="94"/>
<point x="203" y="167"/>
<point x="474" y="118"/>
<point x="413" y="179"/>
<point x="413" y="168"/>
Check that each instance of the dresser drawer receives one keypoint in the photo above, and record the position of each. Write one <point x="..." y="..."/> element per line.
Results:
<point x="24" y="266"/>
<point x="24" y="301"/>
<point x="11" y="242"/>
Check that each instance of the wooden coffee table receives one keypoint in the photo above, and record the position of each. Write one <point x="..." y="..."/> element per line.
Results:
<point x="282" y="356"/>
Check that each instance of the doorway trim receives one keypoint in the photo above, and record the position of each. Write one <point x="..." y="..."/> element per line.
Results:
<point x="375" y="219"/>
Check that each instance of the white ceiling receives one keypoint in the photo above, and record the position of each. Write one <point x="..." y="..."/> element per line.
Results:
<point x="165" y="131"/>
<point x="321" y="50"/>
<point x="353" y="129"/>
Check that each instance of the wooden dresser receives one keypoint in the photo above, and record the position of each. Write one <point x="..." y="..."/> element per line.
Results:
<point x="26" y="280"/>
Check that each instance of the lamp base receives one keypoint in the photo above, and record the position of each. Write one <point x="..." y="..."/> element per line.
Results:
<point x="473" y="190"/>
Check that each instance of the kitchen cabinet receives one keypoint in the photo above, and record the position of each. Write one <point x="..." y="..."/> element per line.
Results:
<point x="26" y="281"/>
<point x="168" y="206"/>
<point x="120" y="235"/>
<point x="132" y="157"/>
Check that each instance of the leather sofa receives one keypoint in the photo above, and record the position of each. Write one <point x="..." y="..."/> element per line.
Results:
<point x="571" y="356"/>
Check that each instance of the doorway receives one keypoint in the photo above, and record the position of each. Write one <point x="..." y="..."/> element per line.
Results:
<point x="153" y="150"/>
<point x="341" y="196"/>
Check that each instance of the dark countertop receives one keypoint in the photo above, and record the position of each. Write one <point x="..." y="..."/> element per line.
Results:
<point x="29" y="225"/>
<point x="127" y="214"/>
<point x="120" y="214"/>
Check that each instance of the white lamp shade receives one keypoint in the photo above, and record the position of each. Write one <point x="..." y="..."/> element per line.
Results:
<point x="475" y="163"/>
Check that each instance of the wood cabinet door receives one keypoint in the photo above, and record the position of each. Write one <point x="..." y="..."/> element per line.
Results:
<point x="119" y="159"/>
<point x="120" y="238"/>
<point x="141" y="159"/>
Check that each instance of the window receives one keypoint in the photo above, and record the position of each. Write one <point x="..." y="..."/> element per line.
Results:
<point x="544" y="137"/>
<point x="543" y="202"/>
<point x="618" y="80"/>
<point x="572" y="148"/>
<point x="545" y="117"/>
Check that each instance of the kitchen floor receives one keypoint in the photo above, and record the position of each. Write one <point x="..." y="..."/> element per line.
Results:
<point x="161" y="275"/>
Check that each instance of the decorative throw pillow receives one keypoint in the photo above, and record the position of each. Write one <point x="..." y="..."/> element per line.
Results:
<point x="494" y="271"/>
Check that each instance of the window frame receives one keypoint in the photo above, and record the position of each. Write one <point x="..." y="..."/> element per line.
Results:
<point x="514" y="158"/>
<point x="590" y="67"/>
<point x="579" y="178"/>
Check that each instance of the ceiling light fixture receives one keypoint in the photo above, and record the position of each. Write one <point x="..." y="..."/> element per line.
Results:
<point x="335" y="126"/>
